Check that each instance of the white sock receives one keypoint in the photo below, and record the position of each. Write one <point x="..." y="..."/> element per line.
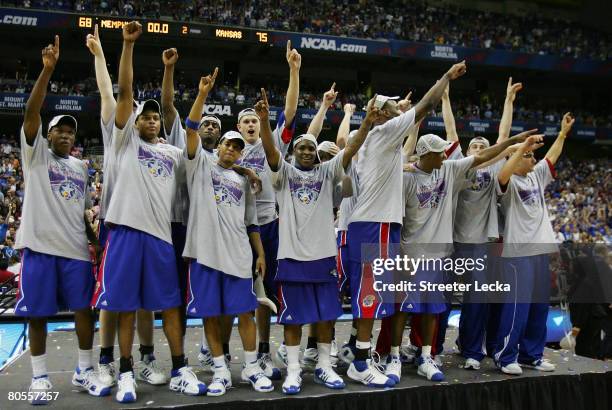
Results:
<point x="323" y="361"/>
<point x="426" y="351"/>
<point x="293" y="356"/>
<point x="85" y="357"/>
<point x="250" y="358"/>
<point x="395" y="350"/>
<point x="219" y="361"/>
<point x="39" y="365"/>
<point x="363" y="345"/>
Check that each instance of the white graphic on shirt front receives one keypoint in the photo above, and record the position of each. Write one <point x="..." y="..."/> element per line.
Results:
<point x="66" y="183"/>
<point x="227" y="191"/>
<point x="305" y="189"/>
<point x="157" y="164"/>
<point x="431" y="195"/>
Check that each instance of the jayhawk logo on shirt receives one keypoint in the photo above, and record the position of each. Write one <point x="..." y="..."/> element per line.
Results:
<point x="530" y="197"/>
<point x="66" y="183"/>
<point x="227" y="191"/>
<point x="481" y="180"/>
<point x="304" y="188"/>
<point x="157" y="164"/>
<point x="253" y="160"/>
<point x="431" y="195"/>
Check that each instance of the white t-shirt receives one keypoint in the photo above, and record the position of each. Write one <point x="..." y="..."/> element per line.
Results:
<point x="145" y="184"/>
<point x="528" y="230"/>
<point x="254" y="157"/>
<point x="348" y="204"/>
<point x="222" y="208"/>
<point x="429" y="199"/>
<point x="476" y="219"/>
<point x="380" y="172"/>
<point x="177" y="138"/>
<point x="305" y="199"/>
<point x="55" y="200"/>
<point x="107" y="166"/>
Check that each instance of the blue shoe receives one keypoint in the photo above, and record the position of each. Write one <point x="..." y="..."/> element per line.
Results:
<point x="126" y="388"/>
<point x="329" y="378"/>
<point x="185" y="381"/>
<point x="293" y="382"/>
<point x="87" y="380"/>
<point x="429" y="369"/>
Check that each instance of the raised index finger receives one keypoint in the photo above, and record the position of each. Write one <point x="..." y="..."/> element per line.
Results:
<point x="56" y="45"/>
<point x="288" y="45"/>
<point x="214" y="74"/>
<point x="96" y="34"/>
<point x="333" y="86"/>
<point x="264" y="97"/>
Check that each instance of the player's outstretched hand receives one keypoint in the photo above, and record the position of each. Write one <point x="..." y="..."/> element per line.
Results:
<point x="457" y="70"/>
<point x="532" y="143"/>
<point x="372" y="112"/>
<point x="512" y="89"/>
<point x="567" y="122"/>
<point x="208" y="82"/>
<point x="170" y="56"/>
<point x="329" y="97"/>
<point x="262" y="108"/>
<point x="405" y="104"/>
<point x="50" y="54"/>
<point x="92" y="41"/>
<point x="131" y="31"/>
<point x="349" y="109"/>
<point x="519" y="138"/>
<point x="293" y="57"/>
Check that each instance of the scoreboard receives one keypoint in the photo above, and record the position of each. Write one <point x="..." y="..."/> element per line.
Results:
<point x="176" y="29"/>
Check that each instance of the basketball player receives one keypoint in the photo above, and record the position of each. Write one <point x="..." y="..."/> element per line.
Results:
<point x="147" y="369"/>
<point x="139" y="268"/>
<point x="306" y="257"/>
<point x="253" y="157"/>
<point x="528" y="239"/>
<point x="222" y="215"/>
<point x="56" y="268"/>
<point x="377" y="217"/>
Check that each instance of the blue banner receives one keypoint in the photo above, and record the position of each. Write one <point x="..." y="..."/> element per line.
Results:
<point x="91" y="105"/>
<point x="332" y="43"/>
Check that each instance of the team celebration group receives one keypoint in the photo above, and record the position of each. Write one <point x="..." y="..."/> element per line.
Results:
<point x="203" y="224"/>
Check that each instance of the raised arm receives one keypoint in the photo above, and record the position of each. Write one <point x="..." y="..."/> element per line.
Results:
<point x="345" y="126"/>
<point x="357" y="141"/>
<point x="169" y="57"/>
<point x="125" y="98"/>
<point x="555" y="150"/>
<point x="105" y="84"/>
<point x="317" y="121"/>
<point x="294" y="59"/>
<point x="506" y="119"/>
<point x="413" y="135"/>
<point x="431" y="99"/>
<point x="273" y="156"/>
<point x="531" y="144"/>
<point x="488" y="154"/>
<point x="193" y="121"/>
<point x="31" y="119"/>
<point x="448" y="117"/>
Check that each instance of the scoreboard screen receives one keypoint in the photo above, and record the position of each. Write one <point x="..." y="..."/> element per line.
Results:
<point x="177" y="29"/>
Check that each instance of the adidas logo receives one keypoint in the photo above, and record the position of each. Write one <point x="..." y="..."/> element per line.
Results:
<point x="192" y="310"/>
<point x="289" y="317"/>
<point x="383" y="312"/>
<point x="410" y="306"/>
<point x="104" y="303"/>
<point x="23" y="308"/>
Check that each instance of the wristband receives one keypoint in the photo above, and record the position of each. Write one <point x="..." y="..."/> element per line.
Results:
<point x="194" y="125"/>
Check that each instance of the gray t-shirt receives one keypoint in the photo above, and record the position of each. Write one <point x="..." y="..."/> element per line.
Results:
<point x="55" y="200"/>
<point x="347" y="204"/>
<point x="145" y="184"/>
<point x="528" y="230"/>
<point x="180" y="208"/>
<point x="222" y="207"/>
<point x="107" y="166"/>
<point x="254" y="157"/>
<point x="305" y="199"/>
<point x="429" y="199"/>
<point x="380" y="172"/>
<point x="476" y="212"/>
